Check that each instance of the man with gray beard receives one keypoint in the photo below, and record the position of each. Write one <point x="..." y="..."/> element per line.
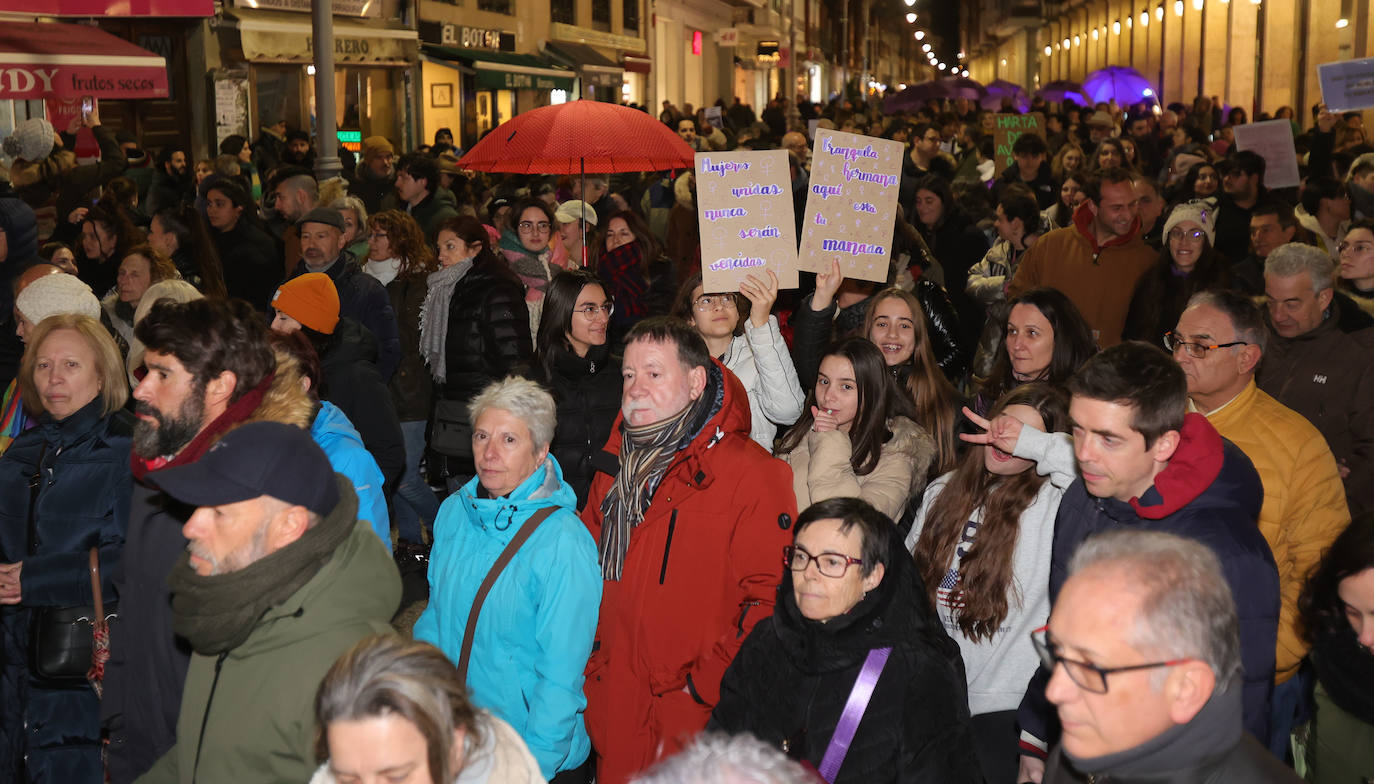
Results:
<point x="210" y="367"/>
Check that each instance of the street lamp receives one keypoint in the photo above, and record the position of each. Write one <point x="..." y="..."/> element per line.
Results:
<point x="1048" y="51"/>
<point x="911" y="18"/>
<point x="920" y="34"/>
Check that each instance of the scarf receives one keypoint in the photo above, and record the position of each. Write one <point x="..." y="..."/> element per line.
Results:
<point x="1209" y="737"/>
<point x="217" y="613"/>
<point x="1346" y="669"/>
<point x="384" y="271"/>
<point x="646" y="452"/>
<point x="434" y="316"/>
<point x="238" y="411"/>
<point x="623" y="269"/>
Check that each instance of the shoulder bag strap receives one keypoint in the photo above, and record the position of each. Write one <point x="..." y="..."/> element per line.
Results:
<point x="495" y="571"/>
<point x="853" y="712"/>
<point x="35" y="487"/>
<point x="98" y="619"/>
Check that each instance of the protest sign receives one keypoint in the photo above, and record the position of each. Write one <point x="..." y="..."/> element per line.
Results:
<point x="1348" y="85"/>
<point x="1273" y="141"/>
<point x="748" y="225"/>
<point x="1005" y="130"/>
<point x="715" y="117"/>
<point x="851" y="204"/>
<point x="811" y="126"/>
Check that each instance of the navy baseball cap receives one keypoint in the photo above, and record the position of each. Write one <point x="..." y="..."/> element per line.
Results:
<point x="259" y="458"/>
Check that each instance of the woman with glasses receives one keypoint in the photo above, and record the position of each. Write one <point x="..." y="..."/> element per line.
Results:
<point x="638" y="276"/>
<point x="982" y="543"/>
<point x="740" y="331"/>
<point x="573" y="361"/>
<point x="851" y="603"/>
<point x="857" y="435"/>
<point x="528" y="249"/>
<point x="1356" y="268"/>
<point x="1187" y="264"/>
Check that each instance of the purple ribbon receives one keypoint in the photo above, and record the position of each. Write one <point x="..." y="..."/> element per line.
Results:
<point x="853" y="712"/>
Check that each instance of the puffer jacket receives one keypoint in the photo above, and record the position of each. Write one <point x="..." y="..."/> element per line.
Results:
<point x="1304" y="502"/>
<point x="792" y="677"/>
<point x="1327" y="375"/>
<point x="702" y="568"/>
<point x="821" y="467"/>
<point x="364" y="299"/>
<point x="586" y="391"/>
<point x="49" y="732"/>
<point x="488" y="331"/>
<point x="332" y="431"/>
<point x="412" y="391"/>
<point x="350" y="380"/>
<point x="535" y="630"/>
<point x="248" y="714"/>
<point x="958" y="245"/>
<point x="760" y="360"/>
<point x="1209" y="492"/>
<point x="251" y="261"/>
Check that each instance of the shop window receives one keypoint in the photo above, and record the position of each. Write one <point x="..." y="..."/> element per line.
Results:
<point x="564" y="11"/>
<point x="277" y="91"/>
<point x="601" y="15"/>
<point x="629" y="16"/>
<point x="506" y="7"/>
<point x="370" y="101"/>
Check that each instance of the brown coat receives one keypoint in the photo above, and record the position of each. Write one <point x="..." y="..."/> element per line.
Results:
<point x="821" y="468"/>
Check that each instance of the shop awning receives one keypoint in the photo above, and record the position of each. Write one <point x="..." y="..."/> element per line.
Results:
<point x="506" y="70"/>
<point x="53" y="60"/>
<point x="591" y="64"/>
<point x="637" y="64"/>
<point x="283" y="37"/>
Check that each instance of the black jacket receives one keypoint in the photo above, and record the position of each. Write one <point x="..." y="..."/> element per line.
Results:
<point x="587" y="392"/>
<point x="364" y="299"/>
<point x="251" y="260"/>
<point x="166" y="192"/>
<point x="412" y="390"/>
<point x="958" y="244"/>
<point x="488" y="331"/>
<point x="349" y="380"/>
<point x="82" y="502"/>
<point x="792" y="677"/>
<point x="1044" y="187"/>
<point x="1246" y="763"/>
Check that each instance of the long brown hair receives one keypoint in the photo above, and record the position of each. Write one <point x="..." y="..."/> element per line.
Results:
<point x="407" y="243"/>
<point x="985" y="571"/>
<point x="931" y="393"/>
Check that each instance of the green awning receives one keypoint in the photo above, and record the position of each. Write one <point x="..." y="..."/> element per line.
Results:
<point x="506" y="70"/>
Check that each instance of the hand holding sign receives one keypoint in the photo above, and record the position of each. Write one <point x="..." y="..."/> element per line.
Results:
<point x="850" y="204"/>
<point x="762" y="294"/>
<point x="748" y="227"/>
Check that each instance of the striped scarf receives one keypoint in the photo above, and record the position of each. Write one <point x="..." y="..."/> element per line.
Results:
<point x="645" y="454"/>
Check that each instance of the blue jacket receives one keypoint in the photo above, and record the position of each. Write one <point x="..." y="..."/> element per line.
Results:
<point x="344" y="447"/>
<point x="535" y="631"/>
<point x="1211" y="493"/>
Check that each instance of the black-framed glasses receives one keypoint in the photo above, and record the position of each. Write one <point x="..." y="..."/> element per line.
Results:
<point x="713" y="301"/>
<point x="827" y="563"/>
<point x="530" y="227"/>
<point x="1086" y="676"/>
<point x="589" y="310"/>
<point x="1195" y="350"/>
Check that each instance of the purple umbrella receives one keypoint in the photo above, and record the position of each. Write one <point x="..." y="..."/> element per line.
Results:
<point x="1062" y="90"/>
<point x="963" y="87"/>
<point x="914" y="97"/>
<point x="1001" y="88"/>
<point x="1117" y="82"/>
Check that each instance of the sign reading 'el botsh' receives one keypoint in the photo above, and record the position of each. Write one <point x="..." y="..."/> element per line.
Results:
<point x="851" y="204"/>
<point x="748" y="225"/>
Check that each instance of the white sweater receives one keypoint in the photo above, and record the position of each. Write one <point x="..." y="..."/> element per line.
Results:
<point x="999" y="668"/>
<point x="761" y="361"/>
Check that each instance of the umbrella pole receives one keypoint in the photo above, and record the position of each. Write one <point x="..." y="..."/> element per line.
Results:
<point x="582" y="173"/>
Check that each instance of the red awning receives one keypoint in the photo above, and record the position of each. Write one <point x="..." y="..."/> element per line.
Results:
<point x="53" y="60"/>
<point x="636" y="64"/>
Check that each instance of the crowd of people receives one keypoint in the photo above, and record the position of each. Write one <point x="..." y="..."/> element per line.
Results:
<point x="1083" y="491"/>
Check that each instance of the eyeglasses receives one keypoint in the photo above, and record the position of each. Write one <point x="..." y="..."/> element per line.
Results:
<point x="828" y="564"/>
<point x="605" y="309"/>
<point x="1355" y="247"/>
<point x="379" y="235"/>
<point x="1196" y="350"/>
<point x="1196" y="235"/>
<point x="1086" y="676"/>
<point x="712" y="301"/>
<point x="529" y="227"/>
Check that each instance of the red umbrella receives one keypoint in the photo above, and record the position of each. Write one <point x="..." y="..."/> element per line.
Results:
<point x="578" y="138"/>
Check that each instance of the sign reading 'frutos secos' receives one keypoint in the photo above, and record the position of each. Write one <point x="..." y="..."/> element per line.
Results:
<point x="748" y="225"/>
<point x="851" y="205"/>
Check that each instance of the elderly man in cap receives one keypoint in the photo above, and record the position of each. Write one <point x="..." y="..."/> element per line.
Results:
<point x="1143" y="645"/>
<point x="361" y="296"/>
<point x="279" y="578"/>
<point x="576" y="221"/>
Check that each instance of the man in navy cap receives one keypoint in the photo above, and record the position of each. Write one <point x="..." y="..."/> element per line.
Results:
<point x="279" y="579"/>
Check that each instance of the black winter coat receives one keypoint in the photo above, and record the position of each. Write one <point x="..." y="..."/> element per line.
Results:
<point x="252" y="263"/>
<point x="364" y="299"/>
<point x="958" y="244"/>
<point x="791" y="679"/>
<point x="50" y="733"/>
<point x="412" y="390"/>
<point x="587" y="392"/>
<point x="488" y="331"/>
<point x="349" y="379"/>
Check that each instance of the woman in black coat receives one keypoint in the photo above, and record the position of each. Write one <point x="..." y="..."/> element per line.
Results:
<point x="249" y="258"/>
<point x="956" y="243"/>
<point x="851" y="588"/>
<point x="574" y="361"/>
<point x="66" y="487"/>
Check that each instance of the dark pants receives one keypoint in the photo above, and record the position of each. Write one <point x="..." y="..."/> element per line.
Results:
<point x="1288" y="708"/>
<point x="579" y="775"/>
<point x="994" y="739"/>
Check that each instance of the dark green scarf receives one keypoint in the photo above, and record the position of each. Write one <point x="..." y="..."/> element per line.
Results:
<point x="217" y="613"/>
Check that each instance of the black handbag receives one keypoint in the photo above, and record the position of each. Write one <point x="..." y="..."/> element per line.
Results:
<point x="62" y="639"/>
<point x="451" y="431"/>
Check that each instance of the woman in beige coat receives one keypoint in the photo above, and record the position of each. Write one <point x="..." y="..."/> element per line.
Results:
<point x="857" y="436"/>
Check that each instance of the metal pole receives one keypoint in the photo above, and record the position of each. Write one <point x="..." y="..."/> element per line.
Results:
<point x="326" y="128"/>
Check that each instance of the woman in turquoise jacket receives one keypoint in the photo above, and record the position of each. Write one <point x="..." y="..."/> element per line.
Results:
<point x="534" y="632"/>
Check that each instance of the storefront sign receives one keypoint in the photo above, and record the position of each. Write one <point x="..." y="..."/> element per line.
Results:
<point x="748" y="227"/>
<point x="1005" y="130"/>
<point x="851" y="205"/>
<point x="585" y="35"/>
<point x="1272" y="140"/>
<point x="388" y="46"/>
<point x="728" y="37"/>
<point x="365" y="8"/>
<point x="767" y="53"/>
<point x="506" y="80"/>
<point x="350" y="140"/>
<point x="43" y="60"/>
<point x="1347" y="86"/>
<point x="470" y="37"/>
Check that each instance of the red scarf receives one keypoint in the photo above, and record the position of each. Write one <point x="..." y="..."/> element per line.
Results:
<point x="237" y="412"/>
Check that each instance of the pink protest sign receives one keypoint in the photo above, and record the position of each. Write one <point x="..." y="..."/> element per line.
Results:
<point x="851" y="205"/>
<point x="748" y="226"/>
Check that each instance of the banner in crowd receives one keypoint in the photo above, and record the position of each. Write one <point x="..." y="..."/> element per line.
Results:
<point x="1347" y="86"/>
<point x="1006" y="129"/>
<point x="851" y="204"/>
<point x="748" y="224"/>
<point x="1272" y="140"/>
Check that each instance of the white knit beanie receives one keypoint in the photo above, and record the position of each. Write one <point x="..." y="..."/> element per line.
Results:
<point x="54" y="294"/>
<point x="1200" y="212"/>
<point x="32" y="141"/>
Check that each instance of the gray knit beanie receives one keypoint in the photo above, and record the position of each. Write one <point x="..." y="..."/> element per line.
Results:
<point x="53" y="294"/>
<point x="32" y="141"/>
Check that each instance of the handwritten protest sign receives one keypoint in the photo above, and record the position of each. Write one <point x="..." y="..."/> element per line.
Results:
<point x="748" y="226"/>
<point x="1273" y="141"/>
<point x="1005" y="130"/>
<point x="851" y="204"/>
<point x="1347" y="86"/>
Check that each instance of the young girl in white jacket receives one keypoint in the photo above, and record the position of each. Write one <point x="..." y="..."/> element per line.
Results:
<point x="982" y="542"/>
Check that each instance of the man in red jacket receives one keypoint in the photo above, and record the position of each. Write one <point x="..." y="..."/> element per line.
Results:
<point x="690" y="516"/>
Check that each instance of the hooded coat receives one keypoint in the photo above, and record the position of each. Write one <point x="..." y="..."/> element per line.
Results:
<point x="792" y="677"/>
<point x="702" y="568"/>
<point x="332" y="431"/>
<point x="534" y="632"/>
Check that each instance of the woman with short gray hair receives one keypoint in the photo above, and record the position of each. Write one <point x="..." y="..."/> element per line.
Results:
<point x="515" y="521"/>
